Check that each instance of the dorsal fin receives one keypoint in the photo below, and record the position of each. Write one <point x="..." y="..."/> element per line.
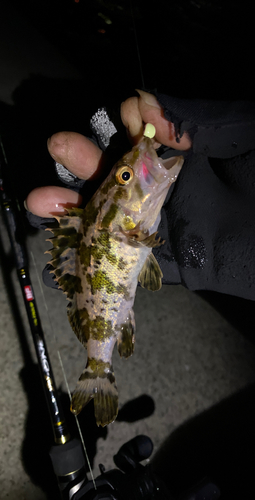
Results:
<point x="66" y="241"/>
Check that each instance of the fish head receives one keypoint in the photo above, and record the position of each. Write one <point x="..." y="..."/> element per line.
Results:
<point x="137" y="187"/>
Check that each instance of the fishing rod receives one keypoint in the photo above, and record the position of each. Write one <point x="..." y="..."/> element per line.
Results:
<point x="66" y="454"/>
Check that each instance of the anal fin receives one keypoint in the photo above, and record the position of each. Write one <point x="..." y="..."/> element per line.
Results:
<point x="126" y="337"/>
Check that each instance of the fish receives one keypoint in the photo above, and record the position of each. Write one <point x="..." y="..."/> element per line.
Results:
<point x="99" y="255"/>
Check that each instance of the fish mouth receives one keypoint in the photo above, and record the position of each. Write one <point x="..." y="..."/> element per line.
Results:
<point x="170" y="162"/>
<point x="160" y="171"/>
<point x="174" y="165"/>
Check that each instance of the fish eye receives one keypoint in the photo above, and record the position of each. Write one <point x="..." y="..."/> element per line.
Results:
<point x="124" y="175"/>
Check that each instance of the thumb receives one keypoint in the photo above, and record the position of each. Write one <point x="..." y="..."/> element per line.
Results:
<point x="151" y="112"/>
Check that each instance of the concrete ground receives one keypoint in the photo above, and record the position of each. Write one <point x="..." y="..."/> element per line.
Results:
<point x="188" y="359"/>
<point x="190" y="383"/>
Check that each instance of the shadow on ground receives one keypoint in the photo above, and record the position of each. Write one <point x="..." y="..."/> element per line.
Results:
<point x="218" y="444"/>
<point x="237" y="311"/>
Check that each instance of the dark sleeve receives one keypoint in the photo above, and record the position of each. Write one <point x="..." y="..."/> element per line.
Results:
<point x="218" y="129"/>
<point x="208" y="220"/>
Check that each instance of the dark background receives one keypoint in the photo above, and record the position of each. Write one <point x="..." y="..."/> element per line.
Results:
<point x="187" y="48"/>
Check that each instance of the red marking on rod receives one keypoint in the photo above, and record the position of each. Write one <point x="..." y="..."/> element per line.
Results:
<point x="28" y="293"/>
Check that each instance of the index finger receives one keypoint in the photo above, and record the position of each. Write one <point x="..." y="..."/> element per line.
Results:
<point x="77" y="153"/>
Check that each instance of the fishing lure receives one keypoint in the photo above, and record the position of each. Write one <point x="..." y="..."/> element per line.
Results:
<point x="99" y="254"/>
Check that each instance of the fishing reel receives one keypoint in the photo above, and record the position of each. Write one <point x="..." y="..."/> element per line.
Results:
<point x="131" y="480"/>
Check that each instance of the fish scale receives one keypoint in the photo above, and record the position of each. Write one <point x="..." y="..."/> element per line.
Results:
<point x="99" y="254"/>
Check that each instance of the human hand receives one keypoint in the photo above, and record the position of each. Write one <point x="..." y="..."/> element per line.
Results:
<point x="84" y="159"/>
<point x="137" y="111"/>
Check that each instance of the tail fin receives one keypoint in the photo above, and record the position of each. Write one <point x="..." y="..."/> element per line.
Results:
<point x="98" y="385"/>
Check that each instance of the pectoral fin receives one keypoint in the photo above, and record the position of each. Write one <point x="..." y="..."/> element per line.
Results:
<point x="151" y="274"/>
<point x="152" y="242"/>
<point x="137" y="238"/>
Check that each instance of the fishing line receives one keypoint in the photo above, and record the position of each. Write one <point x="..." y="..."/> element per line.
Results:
<point x="136" y="42"/>
<point x="62" y="368"/>
<point x="3" y="150"/>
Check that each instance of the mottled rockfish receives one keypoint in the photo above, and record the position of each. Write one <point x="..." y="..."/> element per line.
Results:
<point x="99" y="254"/>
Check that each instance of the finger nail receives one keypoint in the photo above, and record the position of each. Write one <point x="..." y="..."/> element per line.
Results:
<point x="25" y="205"/>
<point x="134" y="126"/>
<point x="124" y="121"/>
<point x="150" y="99"/>
<point x="48" y="146"/>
